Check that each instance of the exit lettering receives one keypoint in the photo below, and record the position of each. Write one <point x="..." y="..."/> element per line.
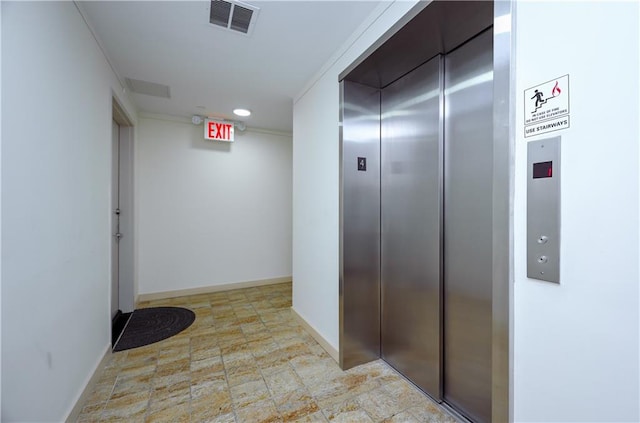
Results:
<point x="218" y="131"/>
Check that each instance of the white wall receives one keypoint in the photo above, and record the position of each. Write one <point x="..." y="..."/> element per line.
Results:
<point x="56" y="137"/>
<point x="315" y="176"/>
<point x="576" y="344"/>
<point x="211" y="213"/>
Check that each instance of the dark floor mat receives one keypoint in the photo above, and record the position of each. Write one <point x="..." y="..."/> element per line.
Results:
<point x="149" y="325"/>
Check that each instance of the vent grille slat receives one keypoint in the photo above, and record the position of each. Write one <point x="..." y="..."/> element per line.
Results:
<point x="220" y="12"/>
<point x="241" y="19"/>
<point x="233" y="15"/>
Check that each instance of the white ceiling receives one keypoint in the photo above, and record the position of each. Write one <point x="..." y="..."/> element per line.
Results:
<point x="210" y="70"/>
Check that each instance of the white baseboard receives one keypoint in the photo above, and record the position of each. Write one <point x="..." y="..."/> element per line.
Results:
<point x="316" y="335"/>
<point x="210" y="289"/>
<point x="74" y="413"/>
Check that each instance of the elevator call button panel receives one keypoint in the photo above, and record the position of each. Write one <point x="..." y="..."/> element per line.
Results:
<point x="543" y="210"/>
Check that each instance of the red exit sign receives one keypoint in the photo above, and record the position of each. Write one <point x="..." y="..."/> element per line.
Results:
<point x="218" y="131"/>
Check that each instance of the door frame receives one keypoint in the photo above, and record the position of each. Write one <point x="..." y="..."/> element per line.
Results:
<point x="114" y="227"/>
<point x="504" y="126"/>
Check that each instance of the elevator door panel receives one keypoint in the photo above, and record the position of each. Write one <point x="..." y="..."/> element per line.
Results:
<point x="468" y="227"/>
<point x="411" y="221"/>
<point x="360" y="243"/>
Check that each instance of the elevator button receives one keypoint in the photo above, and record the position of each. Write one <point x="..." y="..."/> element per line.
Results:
<point x="543" y="259"/>
<point x="543" y="239"/>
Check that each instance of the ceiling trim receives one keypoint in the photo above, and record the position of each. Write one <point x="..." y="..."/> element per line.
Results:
<point x="86" y="20"/>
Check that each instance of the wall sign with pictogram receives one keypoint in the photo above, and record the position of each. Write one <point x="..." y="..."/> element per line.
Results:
<point x="546" y="107"/>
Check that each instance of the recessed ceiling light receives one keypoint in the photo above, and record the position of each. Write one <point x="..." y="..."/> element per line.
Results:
<point x="242" y="112"/>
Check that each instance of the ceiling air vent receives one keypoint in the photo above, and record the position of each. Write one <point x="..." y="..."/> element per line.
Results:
<point x="148" y="88"/>
<point x="233" y="15"/>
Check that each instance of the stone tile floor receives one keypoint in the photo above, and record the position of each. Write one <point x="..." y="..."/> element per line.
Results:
<point x="246" y="359"/>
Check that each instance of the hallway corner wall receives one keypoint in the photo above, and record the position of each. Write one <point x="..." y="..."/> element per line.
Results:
<point x="210" y="213"/>
<point x="57" y="89"/>
<point x="316" y="187"/>
<point x="576" y="343"/>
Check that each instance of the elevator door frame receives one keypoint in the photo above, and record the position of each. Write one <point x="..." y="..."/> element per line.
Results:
<point x="371" y="69"/>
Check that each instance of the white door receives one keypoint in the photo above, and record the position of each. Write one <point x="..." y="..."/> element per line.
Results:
<point x="115" y="218"/>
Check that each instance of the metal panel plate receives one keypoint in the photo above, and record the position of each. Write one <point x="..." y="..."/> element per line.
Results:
<point x="411" y="225"/>
<point x="359" y="225"/>
<point x="468" y="268"/>
<point x="543" y="210"/>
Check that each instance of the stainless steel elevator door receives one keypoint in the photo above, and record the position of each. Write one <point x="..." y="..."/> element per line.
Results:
<point x="468" y="227"/>
<point x="360" y="220"/>
<point x="411" y="221"/>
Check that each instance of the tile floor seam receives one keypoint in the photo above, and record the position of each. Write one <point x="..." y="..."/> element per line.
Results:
<point x="245" y="323"/>
<point x="190" y="382"/>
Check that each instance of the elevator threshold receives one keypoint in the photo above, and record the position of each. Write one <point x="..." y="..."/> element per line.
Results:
<point x="446" y="408"/>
